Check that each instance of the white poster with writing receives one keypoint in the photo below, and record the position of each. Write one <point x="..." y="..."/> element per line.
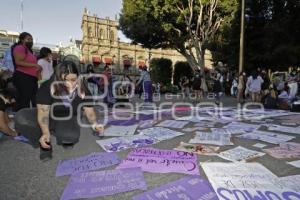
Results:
<point x="295" y="163"/>
<point x="206" y="124"/>
<point x="195" y="129"/>
<point x="173" y="124"/>
<point x="270" y="137"/>
<point x="292" y="182"/>
<point x="242" y="126"/>
<point x="285" y="129"/>
<point x="240" y="154"/>
<point x="160" y="133"/>
<point x="232" y="131"/>
<point x="194" y="119"/>
<point x="246" y="181"/>
<point x="211" y="138"/>
<point x="120" y="131"/>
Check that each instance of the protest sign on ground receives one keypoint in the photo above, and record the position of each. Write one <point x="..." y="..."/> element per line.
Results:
<point x="161" y="161"/>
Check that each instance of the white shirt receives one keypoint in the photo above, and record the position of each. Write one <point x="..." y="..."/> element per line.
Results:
<point x="254" y="84"/>
<point x="47" y="68"/>
<point x="283" y="95"/>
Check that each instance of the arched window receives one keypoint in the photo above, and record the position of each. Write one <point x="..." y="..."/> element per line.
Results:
<point x="90" y="32"/>
<point x="112" y="35"/>
<point x="101" y="34"/>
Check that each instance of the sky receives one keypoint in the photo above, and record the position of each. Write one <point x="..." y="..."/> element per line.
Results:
<point x="54" y="21"/>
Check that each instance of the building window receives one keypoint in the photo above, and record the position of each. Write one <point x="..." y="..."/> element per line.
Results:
<point x="101" y="33"/>
<point x="112" y="35"/>
<point x="90" y="32"/>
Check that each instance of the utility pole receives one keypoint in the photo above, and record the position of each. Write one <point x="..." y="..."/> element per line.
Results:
<point x="21" y="16"/>
<point x="242" y="37"/>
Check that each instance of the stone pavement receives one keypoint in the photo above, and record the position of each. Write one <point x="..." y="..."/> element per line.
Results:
<point x="24" y="177"/>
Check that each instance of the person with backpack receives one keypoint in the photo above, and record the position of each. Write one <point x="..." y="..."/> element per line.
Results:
<point x="26" y="72"/>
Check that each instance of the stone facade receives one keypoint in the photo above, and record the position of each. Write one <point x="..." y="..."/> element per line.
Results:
<point x="100" y="43"/>
<point x="7" y="38"/>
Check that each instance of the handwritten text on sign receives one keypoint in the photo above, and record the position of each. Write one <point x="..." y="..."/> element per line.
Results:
<point x="189" y="187"/>
<point x="246" y="181"/>
<point x="90" y="162"/>
<point x="102" y="183"/>
<point x="161" y="161"/>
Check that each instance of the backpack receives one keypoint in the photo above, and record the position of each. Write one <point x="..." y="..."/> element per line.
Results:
<point x="295" y="106"/>
<point x="7" y="62"/>
<point x="9" y="66"/>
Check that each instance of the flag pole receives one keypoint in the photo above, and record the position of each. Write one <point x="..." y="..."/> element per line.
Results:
<point x="242" y="37"/>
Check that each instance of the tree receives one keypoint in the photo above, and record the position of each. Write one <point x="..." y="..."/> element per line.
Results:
<point x="271" y="35"/>
<point x="161" y="70"/>
<point x="189" y="26"/>
<point x="181" y="69"/>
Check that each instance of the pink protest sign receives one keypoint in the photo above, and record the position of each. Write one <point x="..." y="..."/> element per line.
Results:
<point x="285" y="150"/>
<point x="161" y="161"/>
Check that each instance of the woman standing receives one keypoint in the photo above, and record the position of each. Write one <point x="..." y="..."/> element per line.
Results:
<point x="45" y="61"/>
<point x="146" y="82"/>
<point x="185" y="83"/>
<point x="217" y="88"/>
<point x="204" y="88"/>
<point x="241" y="87"/>
<point x="197" y="86"/>
<point x="254" y="83"/>
<point x="26" y="72"/>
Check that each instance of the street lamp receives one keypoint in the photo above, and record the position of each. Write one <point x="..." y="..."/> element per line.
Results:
<point x="21" y="15"/>
<point x="113" y="62"/>
<point x="242" y="36"/>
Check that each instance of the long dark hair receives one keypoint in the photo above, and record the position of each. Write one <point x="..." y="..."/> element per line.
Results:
<point x="254" y="75"/>
<point x="65" y="68"/>
<point x="44" y="52"/>
<point x="22" y="37"/>
<point x="90" y="69"/>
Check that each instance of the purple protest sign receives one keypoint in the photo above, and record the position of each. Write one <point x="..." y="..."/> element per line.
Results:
<point x="161" y="161"/>
<point x="21" y="138"/>
<point x="190" y="187"/>
<point x="103" y="183"/>
<point x="90" y="162"/>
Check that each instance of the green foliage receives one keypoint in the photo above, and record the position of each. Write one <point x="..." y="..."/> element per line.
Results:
<point x="271" y="35"/>
<point x="181" y="69"/>
<point x="161" y="70"/>
<point x="138" y="23"/>
<point x="169" y="88"/>
<point x="163" y="23"/>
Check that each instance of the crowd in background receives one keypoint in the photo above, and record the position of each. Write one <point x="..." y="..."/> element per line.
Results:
<point x="279" y="90"/>
<point x="29" y="78"/>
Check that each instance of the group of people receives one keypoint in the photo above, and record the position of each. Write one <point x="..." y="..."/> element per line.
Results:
<point x="257" y="86"/>
<point x="121" y="84"/>
<point x="276" y="93"/>
<point x="195" y="85"/>
<point x="47" y="100"/>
